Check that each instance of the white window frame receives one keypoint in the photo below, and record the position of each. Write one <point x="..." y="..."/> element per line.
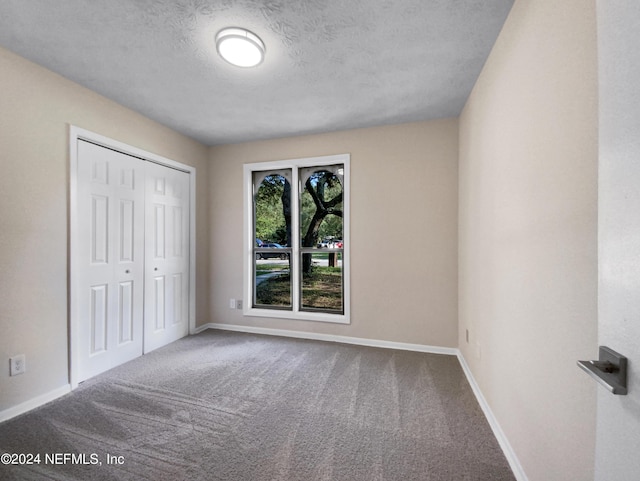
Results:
<point x="249" y="239"/>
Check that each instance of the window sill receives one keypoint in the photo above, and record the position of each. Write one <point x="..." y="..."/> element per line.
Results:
<point x="298" y="316"/>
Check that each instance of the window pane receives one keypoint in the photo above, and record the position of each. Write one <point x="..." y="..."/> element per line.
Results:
<point x="321" y="206"/>
<point x="272" y="231"/>
<point x="272" y="208"/>
<point x="321" y="202"/>
<point x="322" y="283"/>
<point x="272" y="278"/>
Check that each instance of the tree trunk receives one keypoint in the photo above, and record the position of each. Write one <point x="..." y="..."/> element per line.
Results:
<point x="286" y="210"/>
<point x="311" y="238"/>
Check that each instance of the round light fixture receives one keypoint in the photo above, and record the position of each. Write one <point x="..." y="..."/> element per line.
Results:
<point x="240" y="47"/>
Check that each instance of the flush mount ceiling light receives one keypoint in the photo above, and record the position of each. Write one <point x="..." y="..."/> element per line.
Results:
<point x="240" y="47"/>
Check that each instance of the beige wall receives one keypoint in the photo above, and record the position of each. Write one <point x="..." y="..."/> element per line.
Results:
<point x="403" y="229"/>
<point x="36" y="107"/>
<point x="528" y="234"/>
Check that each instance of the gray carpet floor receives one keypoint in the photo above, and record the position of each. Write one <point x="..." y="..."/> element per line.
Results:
<point x="241" y="407"/>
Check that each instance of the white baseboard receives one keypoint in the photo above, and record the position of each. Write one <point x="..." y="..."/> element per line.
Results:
<point x="34" y="403"/>
<point x="360" y="341"/>
<point x="508" y="451"/>
<point x="199" y="329"/>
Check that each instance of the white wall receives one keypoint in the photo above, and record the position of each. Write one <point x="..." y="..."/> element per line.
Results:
<point x="618" y="428"/>
<point x="36" y="108"/>
<point x="528" y="234"/>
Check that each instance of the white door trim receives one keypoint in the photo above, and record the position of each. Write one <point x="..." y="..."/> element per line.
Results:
<point x="75" y="134"/>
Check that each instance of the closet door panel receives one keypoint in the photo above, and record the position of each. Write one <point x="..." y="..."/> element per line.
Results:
<point x="167" y="261"/>
<point x="110" y="205"/>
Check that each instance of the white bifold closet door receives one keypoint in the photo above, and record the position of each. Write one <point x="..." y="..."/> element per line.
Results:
<point x="133" y="280"/>
<point x="111" y="197"/>
<point x="166" y="256"/>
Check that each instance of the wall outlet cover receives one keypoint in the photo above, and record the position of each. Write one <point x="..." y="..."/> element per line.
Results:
<point x="17" y="365"/>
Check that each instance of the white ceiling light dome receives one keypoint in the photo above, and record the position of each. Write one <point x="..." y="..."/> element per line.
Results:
<point x="240" y="47"/>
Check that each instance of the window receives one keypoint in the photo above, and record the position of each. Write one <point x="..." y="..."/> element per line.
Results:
<point x="297" y="239"/>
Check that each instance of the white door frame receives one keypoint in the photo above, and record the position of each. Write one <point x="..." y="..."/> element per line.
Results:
<point x="75" y="134"/>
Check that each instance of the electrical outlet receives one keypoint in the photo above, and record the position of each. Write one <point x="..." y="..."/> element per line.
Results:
<point x="232" y="303"/>
<point x="467" y="334"/>
<point x="239" y="304"/>
<point x="17" y="364"/>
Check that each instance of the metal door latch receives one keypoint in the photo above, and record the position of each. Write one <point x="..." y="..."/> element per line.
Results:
<point x="610" y="370"/>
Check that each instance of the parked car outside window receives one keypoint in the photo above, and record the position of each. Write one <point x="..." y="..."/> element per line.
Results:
<point x="271" y="255"/>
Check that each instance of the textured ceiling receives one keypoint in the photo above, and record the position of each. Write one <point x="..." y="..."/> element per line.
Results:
<point x="330" y="64"/>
